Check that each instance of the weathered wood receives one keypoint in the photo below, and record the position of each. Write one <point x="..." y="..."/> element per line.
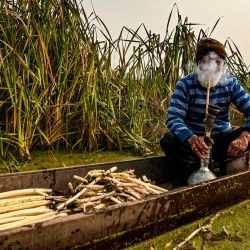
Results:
<point x="57" y="179"/>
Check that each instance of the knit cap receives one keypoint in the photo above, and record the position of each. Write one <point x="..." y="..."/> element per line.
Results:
<point x="206" y="45"/>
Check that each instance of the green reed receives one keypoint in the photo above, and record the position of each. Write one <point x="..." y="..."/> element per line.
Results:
<point x="61" y="87"/>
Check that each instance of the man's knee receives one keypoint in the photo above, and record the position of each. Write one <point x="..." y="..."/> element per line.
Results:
<point x="168" y="141"/>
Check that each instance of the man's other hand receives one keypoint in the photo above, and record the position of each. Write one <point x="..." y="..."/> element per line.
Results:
<point x="239" y="145"/>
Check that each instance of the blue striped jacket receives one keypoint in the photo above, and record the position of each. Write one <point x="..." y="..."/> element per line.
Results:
<point x="186" y="112"/>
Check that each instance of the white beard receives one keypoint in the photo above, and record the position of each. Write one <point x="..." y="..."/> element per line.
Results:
<point x="208" y="74"/>
<point x="204" y="78"/>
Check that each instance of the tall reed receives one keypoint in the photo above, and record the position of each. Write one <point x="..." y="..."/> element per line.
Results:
<point x="60" y="86"/>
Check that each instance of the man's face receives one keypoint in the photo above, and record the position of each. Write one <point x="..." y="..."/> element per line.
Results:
<point x="210" y="69"/>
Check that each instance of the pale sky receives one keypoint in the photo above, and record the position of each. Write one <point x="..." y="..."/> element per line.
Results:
<point x="235" y="22"/>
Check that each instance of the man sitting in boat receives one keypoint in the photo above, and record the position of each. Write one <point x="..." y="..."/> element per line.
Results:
<point x="184" y="144"/>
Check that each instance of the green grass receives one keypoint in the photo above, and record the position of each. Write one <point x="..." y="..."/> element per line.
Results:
<point x="46" y="159"/>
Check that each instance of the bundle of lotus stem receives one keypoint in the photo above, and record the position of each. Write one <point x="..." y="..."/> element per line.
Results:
<point x="26" y="206"/>
<point x="107" y="188"/>
<point x="98" y="189"/>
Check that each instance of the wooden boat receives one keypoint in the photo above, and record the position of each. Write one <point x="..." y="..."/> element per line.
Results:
<point x="124" y="224"/>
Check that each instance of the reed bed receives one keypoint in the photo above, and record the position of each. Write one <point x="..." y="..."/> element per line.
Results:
<point x="61" y="87"/>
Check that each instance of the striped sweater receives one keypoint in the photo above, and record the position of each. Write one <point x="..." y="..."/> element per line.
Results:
<point x="186" y="112"/>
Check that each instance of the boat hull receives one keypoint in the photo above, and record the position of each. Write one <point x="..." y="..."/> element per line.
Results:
<point x="124" y="224"/>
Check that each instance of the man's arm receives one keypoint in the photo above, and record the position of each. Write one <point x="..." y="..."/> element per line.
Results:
<point x="241" y="99"/>
<point x="177" y="112"/>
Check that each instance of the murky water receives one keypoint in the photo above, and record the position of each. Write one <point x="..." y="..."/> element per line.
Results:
<point x="228" y="229"/>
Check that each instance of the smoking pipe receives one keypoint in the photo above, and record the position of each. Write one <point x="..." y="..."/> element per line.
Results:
<point x="203" y="173"/>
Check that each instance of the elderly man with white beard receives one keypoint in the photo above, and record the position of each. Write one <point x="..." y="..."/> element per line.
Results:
<point x="184" y="144"/>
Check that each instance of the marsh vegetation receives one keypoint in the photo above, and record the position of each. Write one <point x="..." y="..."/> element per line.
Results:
<point x="66" y="83"/>
<point x="228" y="229"/>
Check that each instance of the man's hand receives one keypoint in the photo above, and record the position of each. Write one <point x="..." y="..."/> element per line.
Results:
<point x="198" y="145"/>
<point x="239" y="145"/>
